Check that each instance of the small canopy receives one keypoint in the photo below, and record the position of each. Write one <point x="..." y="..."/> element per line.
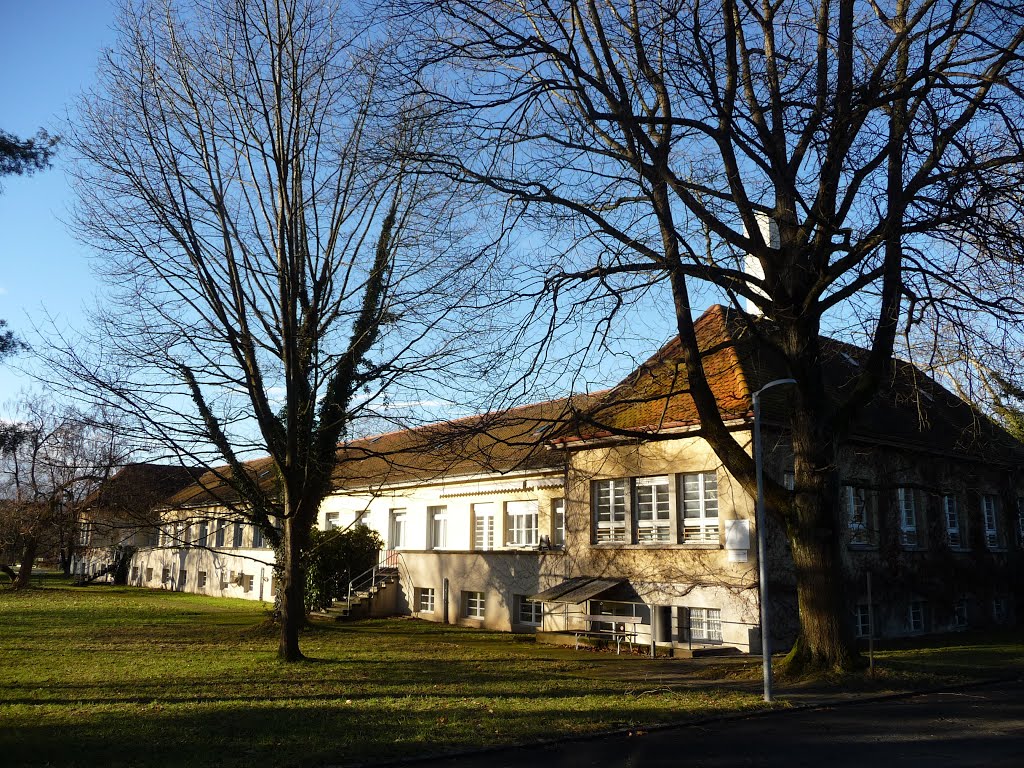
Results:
<point x="576" y="590"/>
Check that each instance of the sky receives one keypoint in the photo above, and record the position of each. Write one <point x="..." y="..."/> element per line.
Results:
<point x="48" y="54"/>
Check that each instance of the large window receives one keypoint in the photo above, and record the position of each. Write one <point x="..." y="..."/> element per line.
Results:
<point x="438" y="517"/>
<point x="528" y="611"/>
<point x="424" y="599"/>
<point x="700" y="507"/>
<point x="218" y="536"/>
<point x="908" y="516"/>
<point x="706" y="624"/>
<point x="645" y="510"/>
<point x="610" y="511"/>
<point x="522" y="523"/>
<point x="473" y="605"/>
<point x="558" y="522"/>
<point x="257" y="537"/>
<point x="954" y="529"/>
<point x="237" y="533"/>
<point x="653" y="509"/>
<point x="915" y="616"/>
<point x="483" y="526"/>
<point x="859" y="517"/>
<point x="203" y="539"/>
<point x="398" y="519"/>
<point x="988" y="509"/>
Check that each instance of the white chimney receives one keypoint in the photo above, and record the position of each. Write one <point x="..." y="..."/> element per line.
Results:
<point x="752" y="265"/>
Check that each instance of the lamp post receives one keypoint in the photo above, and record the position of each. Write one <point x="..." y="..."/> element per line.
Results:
<point x="762" y="538"/>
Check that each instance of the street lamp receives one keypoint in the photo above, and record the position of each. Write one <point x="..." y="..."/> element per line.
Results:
<point x="762" y="538"/>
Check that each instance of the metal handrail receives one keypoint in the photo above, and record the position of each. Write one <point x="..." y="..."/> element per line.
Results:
<point x="371" y="577"/>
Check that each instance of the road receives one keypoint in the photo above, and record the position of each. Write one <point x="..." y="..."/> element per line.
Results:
<point x="972" y="727"/>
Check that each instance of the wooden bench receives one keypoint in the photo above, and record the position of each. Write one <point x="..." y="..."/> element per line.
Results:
<point x="623" y="629"/>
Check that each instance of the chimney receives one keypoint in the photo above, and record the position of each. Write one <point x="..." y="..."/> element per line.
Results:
<point x="751" y="265"/>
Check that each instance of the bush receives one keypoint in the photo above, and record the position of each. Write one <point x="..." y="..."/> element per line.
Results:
<point x="333" y="558"/>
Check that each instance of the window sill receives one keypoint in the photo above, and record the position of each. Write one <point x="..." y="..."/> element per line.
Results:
<point x="656" y="545"/>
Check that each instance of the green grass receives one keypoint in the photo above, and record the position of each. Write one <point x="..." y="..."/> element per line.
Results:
<point x="120" y="676"/>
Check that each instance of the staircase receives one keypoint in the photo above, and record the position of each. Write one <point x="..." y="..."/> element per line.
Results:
<point x="365" y="591"/>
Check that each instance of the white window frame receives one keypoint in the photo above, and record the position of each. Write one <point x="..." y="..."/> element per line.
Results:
<point x="529" y="612"/>
<point x="698" y="512"/>
<point x="705" y="624"/>
<point x="857" y="505"/>
<point x="397" y="528"/>
<point x="425" y="600"/>
<point x="960" y="614"/>
<point x="915" y="615"/>
<point x="485" y="517"/>
<point x="990" y="514"/>
<point x="522" y="519"/>
<point x="202" y="580"/>
<point x="951" y="513"/>
<point x="611" y="511"/>
<point x="652" y="509"/>
<point x="558" y="522"/>
<point x="438" y="517"/>
<point x="862" y="620"/>
<point x="474" y="604"/>
<point x="907" y="504"/>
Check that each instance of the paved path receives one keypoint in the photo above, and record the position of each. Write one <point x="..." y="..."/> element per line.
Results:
<point x="982" y="726"/>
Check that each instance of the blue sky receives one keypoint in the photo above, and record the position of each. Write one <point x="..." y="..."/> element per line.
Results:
<point x="48" y="54"/>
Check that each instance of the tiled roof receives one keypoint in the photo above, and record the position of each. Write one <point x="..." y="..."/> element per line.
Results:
<point x="912" y="409"/>
<point x="140" y="487"/>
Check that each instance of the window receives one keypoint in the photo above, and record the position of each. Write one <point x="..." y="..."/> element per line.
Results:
<point x="915" y="616"/>
<point x="522" y="523"/>
<point x="438" y="517"/>
<point x="202" y="580"/>
<point x="204" y="534"/>
<point x="223" y="581"/>
<point x="789" y="480"/>
<point x="473" y="604"/>
<point x="424" y="599"/>
<point x="397" y="529"/>
<point x="528" y="611"/>
<point x="610" y="511"/>
<point x="483" y="526"/>
<point x="247" y="581"/>
<point x="218" y="536"/>
<point x="257" y="537"/>
<point x="236" y="537"/>
<point x="700" y="507"/>
<point x="862" y="620"/>
<point x="706" y="624"/>
<point x="558" y="522"/>
<point x="988" y="509"/>
<point x="858" y="516"/>
<point x="954" y="534"/>
<point x="960" y="614"/>
<point x="182" y="578"/>
<point x="135" y="573"/>
<point x="1000" y="610"/>
<point x="331" y="521"/>
<point x="653" y="509"/>
<point x="149" y="574"/>
<point x="85" y="534"/>
<point x="908" y="516"/>
<point x="166" y="575"/>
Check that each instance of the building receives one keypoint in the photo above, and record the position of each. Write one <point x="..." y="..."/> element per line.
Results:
<point x="608" y="514"/>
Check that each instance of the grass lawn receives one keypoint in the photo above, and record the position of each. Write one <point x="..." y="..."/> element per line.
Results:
<point x="123" y="676"/>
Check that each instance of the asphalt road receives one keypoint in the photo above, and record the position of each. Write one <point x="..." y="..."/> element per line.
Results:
<point x="972" y="727"/>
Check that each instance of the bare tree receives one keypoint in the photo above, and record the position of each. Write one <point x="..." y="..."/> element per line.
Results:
<point x="857" y="157"/>
<point x="275" y="275"/>
<point x="51" y="458"/>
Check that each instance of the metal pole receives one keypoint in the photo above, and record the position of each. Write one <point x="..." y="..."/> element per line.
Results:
<point x="762" y="540"/>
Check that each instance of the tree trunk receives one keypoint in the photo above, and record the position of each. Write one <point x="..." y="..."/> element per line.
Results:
<point x="28" y="559"/>
<point x="826" y="641"/>
<point x="293" y="609"/>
